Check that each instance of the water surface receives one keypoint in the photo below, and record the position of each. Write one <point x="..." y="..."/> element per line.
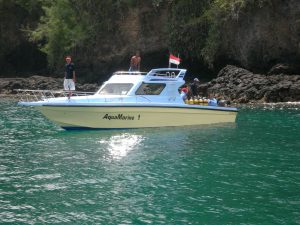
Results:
<point x="242" y="173"/>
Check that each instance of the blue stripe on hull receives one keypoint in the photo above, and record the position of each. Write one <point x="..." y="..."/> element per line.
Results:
<point x="91" y="128"/>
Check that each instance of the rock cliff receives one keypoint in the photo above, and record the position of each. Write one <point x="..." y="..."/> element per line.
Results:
<point x="141" y="28"/>
<point x="255" y="35"/>
<point x="259" y="37"/>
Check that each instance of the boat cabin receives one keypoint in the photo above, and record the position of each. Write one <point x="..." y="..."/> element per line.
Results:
<point x="157" y="85"/>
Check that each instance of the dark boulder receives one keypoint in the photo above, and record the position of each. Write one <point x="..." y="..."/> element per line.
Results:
<point x="281" y="68"/>
<point x="242" y="86"/>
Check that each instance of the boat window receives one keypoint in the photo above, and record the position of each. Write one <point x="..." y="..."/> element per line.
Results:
<point x="150" y="89"/>
<point x="116" y="89"/>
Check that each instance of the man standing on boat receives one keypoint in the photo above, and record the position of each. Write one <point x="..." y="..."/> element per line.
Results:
<point x="135" y="62"/>
<point x="70" y="78"/>
<point x="194" y="87"/>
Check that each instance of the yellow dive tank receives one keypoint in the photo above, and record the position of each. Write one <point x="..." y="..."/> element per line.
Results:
<point x="200" y="101"/>
<point x="196" y="101"/>
<point x="191" y="101"/>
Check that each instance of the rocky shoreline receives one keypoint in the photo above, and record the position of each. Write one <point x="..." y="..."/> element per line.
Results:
<point x="232" y="83"/>
<point x="239" y="85"/>
<point x="9" y="85"/>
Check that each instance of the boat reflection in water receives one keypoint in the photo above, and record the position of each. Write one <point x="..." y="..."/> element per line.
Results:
<point x="132" y="100"/>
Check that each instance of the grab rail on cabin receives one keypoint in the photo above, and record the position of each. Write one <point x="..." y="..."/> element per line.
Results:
<point x="172" y="73"/>
<point x="143" y="97"/>
<point x="26" y="95"/>
<point x="130" y="73"/>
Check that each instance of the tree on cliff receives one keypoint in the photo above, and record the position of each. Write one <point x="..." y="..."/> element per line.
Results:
<point x="198" y="28"/>
<point x="60" y="30"/>
<point x="72" y="26"/>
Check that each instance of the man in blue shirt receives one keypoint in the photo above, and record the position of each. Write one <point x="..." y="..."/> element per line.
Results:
<point x="70" y="78"/>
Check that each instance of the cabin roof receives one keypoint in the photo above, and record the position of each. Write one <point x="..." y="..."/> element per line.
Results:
<point x="161" y="74"/>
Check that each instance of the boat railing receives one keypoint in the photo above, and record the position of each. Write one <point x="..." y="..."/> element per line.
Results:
<point x="130" y="73"/>
<point x="26" y="95"/>
<point x="170" y="73"/>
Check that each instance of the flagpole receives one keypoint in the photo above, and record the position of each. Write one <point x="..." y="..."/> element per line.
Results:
<point x="178" y="58"/>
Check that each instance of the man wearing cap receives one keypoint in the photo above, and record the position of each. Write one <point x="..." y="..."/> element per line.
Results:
<point x="70" y="78"/>
<point x="184" y="92"/>
<point x="194" y="87"/>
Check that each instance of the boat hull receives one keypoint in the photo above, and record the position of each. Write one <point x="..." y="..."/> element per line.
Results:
<point x="102" y="117"/>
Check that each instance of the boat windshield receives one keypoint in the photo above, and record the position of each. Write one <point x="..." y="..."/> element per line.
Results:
<point x="116" y="89"/>
<point x="150" y="89"/>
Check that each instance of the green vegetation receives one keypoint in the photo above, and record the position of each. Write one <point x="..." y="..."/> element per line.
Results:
<point x="76" y="27"/>
<point x="72" y="26"/>
<point x="196" y="26"/>
<point x="68" y="25"/>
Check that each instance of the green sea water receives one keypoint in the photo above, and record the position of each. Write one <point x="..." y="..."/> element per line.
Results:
<point x="242" y="173"/>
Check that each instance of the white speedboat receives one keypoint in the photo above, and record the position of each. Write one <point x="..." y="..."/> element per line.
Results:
<point x="132" y="100"/>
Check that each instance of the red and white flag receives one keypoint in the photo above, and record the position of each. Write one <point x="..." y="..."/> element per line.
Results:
<point x="173" y="59"/>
